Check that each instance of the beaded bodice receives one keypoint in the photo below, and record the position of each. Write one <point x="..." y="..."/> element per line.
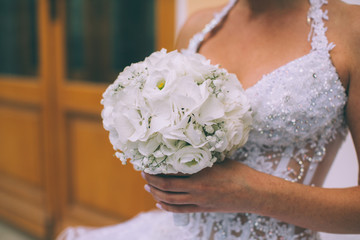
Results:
<point x="297" y="110"/>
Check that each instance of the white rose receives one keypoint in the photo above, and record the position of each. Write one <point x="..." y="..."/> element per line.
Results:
<point x="190" y="160"/>
<point x="238" y="131"/>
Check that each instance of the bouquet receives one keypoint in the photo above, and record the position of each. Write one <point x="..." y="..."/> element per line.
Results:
<point x="175" y="113"/>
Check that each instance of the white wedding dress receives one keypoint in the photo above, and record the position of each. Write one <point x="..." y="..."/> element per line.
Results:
<point x="298" y="109"/>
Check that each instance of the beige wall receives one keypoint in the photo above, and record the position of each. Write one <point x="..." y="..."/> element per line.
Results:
<point x="195" y="5"/>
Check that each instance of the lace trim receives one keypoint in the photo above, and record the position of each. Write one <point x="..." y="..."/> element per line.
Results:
<point x="234" y="226"/>
<point x="317" y="33"/>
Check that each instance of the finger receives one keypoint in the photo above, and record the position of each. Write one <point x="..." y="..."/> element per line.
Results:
<point x="166" y="183"/>
<point x="169" y="197"/>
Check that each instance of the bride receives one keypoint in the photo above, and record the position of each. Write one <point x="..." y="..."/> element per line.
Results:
<point x="299" y="63"/>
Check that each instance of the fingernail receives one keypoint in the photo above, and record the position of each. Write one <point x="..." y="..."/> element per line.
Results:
<point x="147" y="188"/>
<point x="158" y="205"/>
<point x="143" y="175"/>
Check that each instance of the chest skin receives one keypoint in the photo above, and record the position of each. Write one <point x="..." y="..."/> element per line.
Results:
<point x="258" y="44"/>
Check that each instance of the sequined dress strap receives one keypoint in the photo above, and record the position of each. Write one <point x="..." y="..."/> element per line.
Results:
<point x="317" y="34"/>
<point x="196" y="40"/>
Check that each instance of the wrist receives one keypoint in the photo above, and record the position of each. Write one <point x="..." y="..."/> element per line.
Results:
<point x="264" y="193"/>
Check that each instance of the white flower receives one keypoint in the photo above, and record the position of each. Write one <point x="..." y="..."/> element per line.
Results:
<point x="194" y="136"/>
<point x="148" y="147"/>
<point x="209" y="129"/>
<point x="240" y="131"/>
<point x="191" y="160"/>
<point x="212" y="109"/>
<point x="175" y="113"/>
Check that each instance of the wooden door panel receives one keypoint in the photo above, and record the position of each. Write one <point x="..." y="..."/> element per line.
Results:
<point x="20" y="143"/>
<point x="21" y="90"/>
<point x="21" y="206"/>
<point x="98" y="179"/>
<point x="81" y="98"/>
<point x="23" y="200"/>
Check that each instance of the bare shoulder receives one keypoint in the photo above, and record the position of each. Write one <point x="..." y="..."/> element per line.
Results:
<point x="194" y="24"/>
<point x="346" y="19"/>
<point x="352" y="24"/>
<point x="345" y="10"/>
<point x="344" y="31"/>
<point x="350" y="17"/>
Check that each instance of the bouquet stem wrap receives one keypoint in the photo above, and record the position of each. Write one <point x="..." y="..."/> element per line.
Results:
<point x="181" y="219"/>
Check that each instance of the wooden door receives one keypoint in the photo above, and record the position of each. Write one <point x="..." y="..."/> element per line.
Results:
<point x="57" y="57"/>
<point x="24" y="117"/>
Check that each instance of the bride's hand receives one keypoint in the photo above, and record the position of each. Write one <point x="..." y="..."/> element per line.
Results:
<point x="225" y="187"/>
